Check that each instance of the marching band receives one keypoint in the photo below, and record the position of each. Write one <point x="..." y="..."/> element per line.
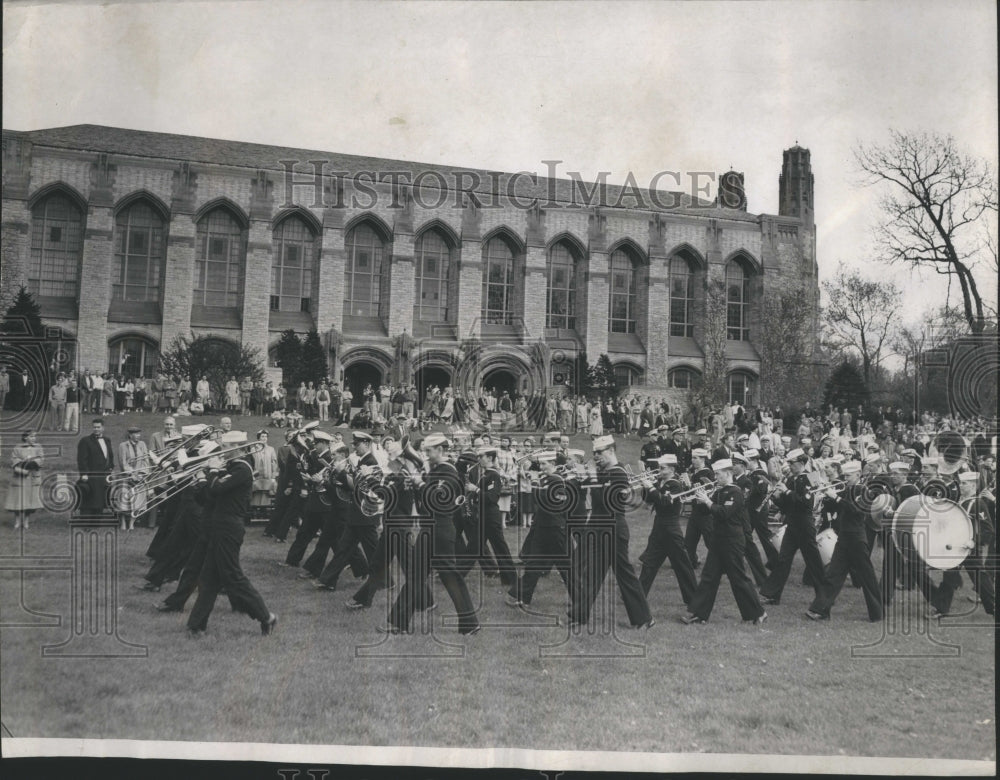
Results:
<point x="438" y="505"/>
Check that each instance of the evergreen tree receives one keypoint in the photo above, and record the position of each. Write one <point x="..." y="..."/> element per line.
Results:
<point x="602" y="378"/>
<point x="288" y="356"/>
<point x="216" y="360"/>
<point x="24" y="317"/>
<point x="313" y="367"/>
<point x="846" y="387"/>
<point x="26" y="344"/>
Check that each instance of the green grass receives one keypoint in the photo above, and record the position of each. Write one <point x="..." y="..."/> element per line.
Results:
<point x="791" y="687"/>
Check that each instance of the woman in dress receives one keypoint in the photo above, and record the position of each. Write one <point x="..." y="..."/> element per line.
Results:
<point x="265" y="483"/>
<point x="448" y="411"/>
<point x="129" y="395"/>
<point x="23" y="495"/>
<point x="232" y="395"/>
<point x="120" y="394"/>
<point x="596" y="424"/>
<point x="108" y="394"/>
<point x="204" y="391"/>
<point x="140" y="394"/>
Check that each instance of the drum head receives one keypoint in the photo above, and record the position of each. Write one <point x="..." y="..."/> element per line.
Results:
<point x="826" y="540"/>
<point x="939" y="529"/>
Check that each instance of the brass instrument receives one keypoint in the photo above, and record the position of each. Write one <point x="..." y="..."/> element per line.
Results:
<point x="705" y="486"/>
<point x="178" y="481"/>
<point x="166" y="476"/>
<point x="644" y="478"/>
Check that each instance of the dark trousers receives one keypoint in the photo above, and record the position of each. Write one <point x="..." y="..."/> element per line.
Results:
<point x="905" y="564"/>
<point x="312" y="523"/>
<point x="699" y="526"/>
<point x="850" y="555"/>
<point x="434" y="550"/>
<point x="758" y="521"/>
<point x="800" y="535"/>
<point x="469" y="545"/>
<point x="666" y="541"/>
<point x="604" y="546"/>
<point x="346" y="549"/>
<point x="392" y="544"/>
<point x="493" y="535"/>
<point x="190" y="573"/>
<point x="167" y="513"/>
<point x="549" y="549"/>
<point x="333" y="529"/>
<point x="175" y="550"/>
<point x="754" y="562"/>
<point x="281" y="502"/>
<point x="222" y="570"/>
<point x="725" y="556"/>
<point x="982" y="581"/>
<point x="284" y="519"/>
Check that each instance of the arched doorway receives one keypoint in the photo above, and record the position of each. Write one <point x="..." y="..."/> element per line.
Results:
<point x="427" y="376"/>
<point x="500" y="379"/>
<point x="360" y="374"/>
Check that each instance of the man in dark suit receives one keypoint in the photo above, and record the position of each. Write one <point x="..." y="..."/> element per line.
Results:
<point x="725" y="449"/>
<point x="95" y="460"/>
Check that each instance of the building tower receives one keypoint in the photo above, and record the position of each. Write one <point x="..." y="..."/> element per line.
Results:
<point x="795" y="185"/>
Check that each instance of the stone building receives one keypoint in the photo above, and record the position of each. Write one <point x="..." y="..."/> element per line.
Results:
<point x="441" y="275"/>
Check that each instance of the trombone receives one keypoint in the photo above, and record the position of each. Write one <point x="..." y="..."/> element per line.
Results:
<point x="166" y="476"/>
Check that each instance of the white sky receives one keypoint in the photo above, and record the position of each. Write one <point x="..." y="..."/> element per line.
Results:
<point x="618" y="87"/>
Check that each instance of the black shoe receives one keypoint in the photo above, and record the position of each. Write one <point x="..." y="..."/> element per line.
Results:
<point x="267" y="535"/>
<point x="650" y="624"/>
<point x="759" y="621"/>
<point x="149" y="586"/>
<point x="165" y="607"/>
<point x="307" y="575"/>
<point x="267" y="627"/>
<point x="352" y="604"/>
<point x="768" y="600"/>
<point x="816" y="615"/>
<point x="196" y="633"/>
<point x="692" y="620"/>
<point x="473" y="632"/>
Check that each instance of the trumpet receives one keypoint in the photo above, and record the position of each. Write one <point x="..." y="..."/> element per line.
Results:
<point x="705" y="486"/>
<point x="644" y="478"/>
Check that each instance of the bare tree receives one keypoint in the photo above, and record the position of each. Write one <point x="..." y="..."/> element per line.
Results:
<point x="791" y="369"/>
<point x="860" y="317"/>
<point x="710" y="391"/>
<point x="939" y="211"/>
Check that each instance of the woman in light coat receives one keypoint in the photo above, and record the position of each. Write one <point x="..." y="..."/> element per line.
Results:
<point x="596" y="425"/>
<point x="23" y="494"/>
<point x="265" y="483"/>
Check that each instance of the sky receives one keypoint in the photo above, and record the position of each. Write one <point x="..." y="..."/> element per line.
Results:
<point x="620" y="87"/>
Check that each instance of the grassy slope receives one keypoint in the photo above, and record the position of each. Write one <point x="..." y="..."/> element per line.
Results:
<point x="790" y="687"/>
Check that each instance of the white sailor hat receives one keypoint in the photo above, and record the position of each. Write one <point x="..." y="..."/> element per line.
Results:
<point x="699" y="452"/>
<point x="797" y="455"/>
<point x="491" y="451"/>
<point x="872" y="446"/>
<point x="739" y="457"/>
<point x="701" y="432"/>
<point x="929" y="463"/>
<point x="233" y="437"/>
<point x="357" y="436"/>
<point x="908" y="453"/>
<point x="968" y="476"/>
<point x="666" y="460"/>
<point x="575" y="453"/>
<point x="545" y="456"/>
<point x="208" y="447"/>
<point x="603" y="443"/>
<point x="874" y="457"/>
<point x="192" y="430"/>
<point x="319" y="435"/>
<point x="743" y="437"/>
<point x="786" y="439"/>
<point x="722" y="464"/>
<point x="899" y="465"/>
<point x="850" y="467"/>
<point x="435" y="440"/>
<point x="665" y="428"/>
<point x="751" y="454"/>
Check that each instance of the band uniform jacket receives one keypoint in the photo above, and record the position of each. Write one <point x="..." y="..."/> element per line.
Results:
<point x="759" y="486"/>
<point x="650" y="450"/>
<point x="316" y="501"/>
<point x="441" y="486"/>
<point x="230" y="491"/>
<point x="489" y="495"/>
<point x="746" y="486"/>
<point x="797" y="503"/>
<point x="851" y="516"/>
<point x="553" y="501"/>
<point x="666" y="508"/>
<point x="728" y="511"/>
<point x="699" y="511"/>
<point x="608" y="498"/>
<point x="982" y="514"/>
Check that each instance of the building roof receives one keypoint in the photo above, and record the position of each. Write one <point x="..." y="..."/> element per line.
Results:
<point x="142" y="143"/>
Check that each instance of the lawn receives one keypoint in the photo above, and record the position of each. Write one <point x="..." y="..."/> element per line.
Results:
<point x="327" y="676"/>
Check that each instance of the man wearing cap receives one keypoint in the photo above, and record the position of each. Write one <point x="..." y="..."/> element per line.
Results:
<point x="699" y="523"/>
<point x="665" y="539"/>
<point x="743" y="480"/>
<point x="549" y="546"/>
<point x="794" y="498"/>
<point x="314" y="509"/>
<point x="229" y="486"/>
<point x="608" y="500"/>
<point x="361" y="528"/>
<point x="133" y="456"/>
<point x="851" y="552"/>
<point x="678" y="447"/>
<point x="484" y="494"/>
<point x="434" y="547"/>
<point x="650" y="449"/>
<point x="899" y="558"/>
<point x="726" y="552"/>
<point x="981" y="510"/>
<point x="759" y="484"/>
<point x="663" y="438"/>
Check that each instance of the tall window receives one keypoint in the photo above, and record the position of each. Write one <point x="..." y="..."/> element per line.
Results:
<point x="221" y="253"/>
<point x="622" y="290"/>
<point x="741" y="388"/>
<point x="364" y="272"/>
<point x="292" y="266"/>
<point x="139" y="251"/>
<point x="626" y="375"/>
<point x="681" y="298"/>
<point x="56" y="247"/>
<point x="681" y="378"/>
<point x="433" y="265"/>
<point x="498" y="283"/>
<point x="737" y="302"/>
<point x="560" y="311"/>
<point x="133" y="357"/>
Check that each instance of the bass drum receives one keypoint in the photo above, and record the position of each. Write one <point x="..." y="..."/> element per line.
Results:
<point x="939" y="529"/>
<point x="826" y="540"/>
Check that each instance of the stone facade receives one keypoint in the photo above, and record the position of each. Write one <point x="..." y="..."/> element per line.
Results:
<point x="102" y="171"/>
